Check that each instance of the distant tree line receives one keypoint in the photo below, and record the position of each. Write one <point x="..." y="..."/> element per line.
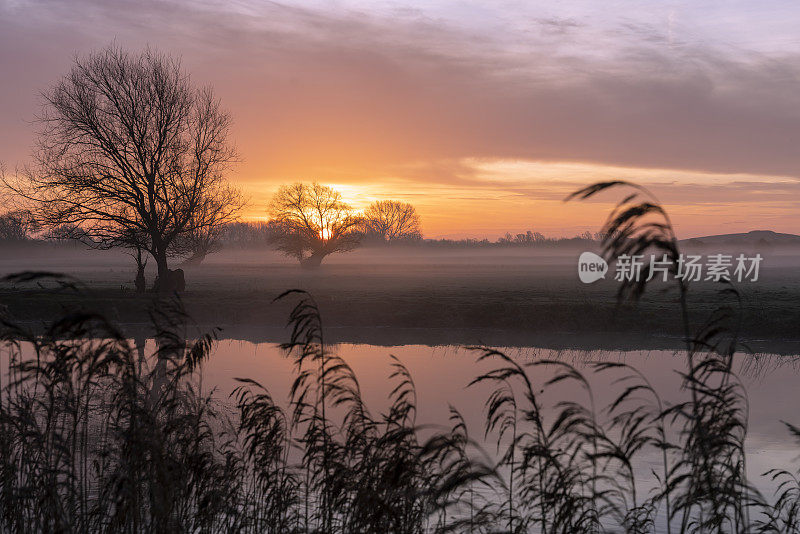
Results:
<point x="263" y="234"/>
<point x="17" y="226"/>
<point x="527" y="239"/>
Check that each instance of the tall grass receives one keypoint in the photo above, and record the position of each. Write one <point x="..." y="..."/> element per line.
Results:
<point x="97" y="435"/>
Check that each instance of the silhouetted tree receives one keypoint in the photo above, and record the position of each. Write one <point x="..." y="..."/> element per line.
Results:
<point x="311" y="221"/>
<point x="17" y="225"/>
<point x="129" y="145"/>
<point x="207" y="226"/>
<point x="391" y="220"/>
<point x="247" y="234"/>
<point x="69" y="233"/>
<point x="136" y="243"/>
<point x="140" y="282"/>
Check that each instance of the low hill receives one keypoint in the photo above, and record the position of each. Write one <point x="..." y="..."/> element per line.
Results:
<point x="755" y="238"/>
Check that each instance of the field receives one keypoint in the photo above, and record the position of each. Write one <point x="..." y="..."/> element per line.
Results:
<point x="506" y="297"/>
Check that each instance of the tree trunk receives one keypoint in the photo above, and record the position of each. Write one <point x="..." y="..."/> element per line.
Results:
<point x="140" y="281"/>
<point x="313" y="261"/>
<point x="161" y="283"/>
<point x="168" y="280"/>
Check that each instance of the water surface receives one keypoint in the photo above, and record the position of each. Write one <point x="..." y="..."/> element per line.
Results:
<point x="441" y="375"/>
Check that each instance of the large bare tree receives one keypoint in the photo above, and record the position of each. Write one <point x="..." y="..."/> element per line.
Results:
<point x="310" y="222"/>
<point x="390" y="220"/>
<point x="129" y="147"/>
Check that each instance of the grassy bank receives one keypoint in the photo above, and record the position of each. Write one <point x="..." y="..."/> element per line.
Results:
<point x="524" y="304"/>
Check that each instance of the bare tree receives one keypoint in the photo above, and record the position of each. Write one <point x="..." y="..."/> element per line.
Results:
<point x="18" y="225"/>
<point x="310" y="222"/>
<point x="136" y="244"/>
<point x="69" y="233"/>
<point x="391" y="220"/>
<point x="208" y="223"/>
<point x="128" y="146"/>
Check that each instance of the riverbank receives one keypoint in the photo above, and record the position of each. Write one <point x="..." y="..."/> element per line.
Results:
<point x="512" y="299"/>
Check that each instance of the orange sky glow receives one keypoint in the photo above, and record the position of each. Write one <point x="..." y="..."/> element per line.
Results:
<point x="516" y="196"/>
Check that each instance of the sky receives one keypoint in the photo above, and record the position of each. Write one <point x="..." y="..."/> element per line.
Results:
<point x="484" y="115"/>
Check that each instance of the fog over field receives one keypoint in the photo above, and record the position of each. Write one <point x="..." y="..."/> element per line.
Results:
<point x="397" y="295"/>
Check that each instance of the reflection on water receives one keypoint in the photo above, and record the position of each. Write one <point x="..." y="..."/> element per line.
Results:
<point x="441" y="375"/>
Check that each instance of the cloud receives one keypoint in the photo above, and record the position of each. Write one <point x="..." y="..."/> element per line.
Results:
<point x="422" y="90"/>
